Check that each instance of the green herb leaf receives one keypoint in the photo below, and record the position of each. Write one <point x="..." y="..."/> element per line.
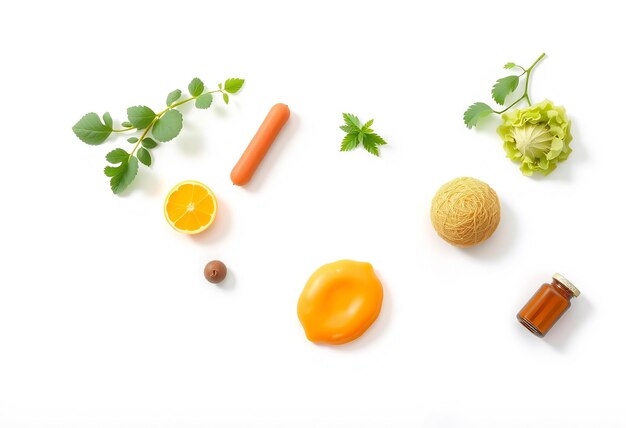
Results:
<point x="352" y="122"/>
<point x="350" y="142"/>
<point x="117" y="156"/>
<point x="204" y="101"/>
<point x="374" y="139"/>
<point x="132" y="140"/>
<point x="148" y="143"/>
<point x="144" y="156"/>
<point x="219" y="85"/>
<point x="125" y="174"/>
<point x="168" y="126"/>
<point x="475" y="112"/>
<point x="225" y="97"/>
<point x="233" y="85"/>
<point x="111" y="171"/>
<point x="196" y="87"/>
<point x="346" y="128"/>
<point x="140" y="116"/>
<point x="108" y="121"/>
<point x="366" y="128"/>
<point x="510" y="65"/>
<point x="371" y="146"/>
<point x="127" y="124"/>
<point x="173" y="96"/>
<point x="90" y="130"/>
<point x="357" y="134"/>
<point x="504" y="87"/>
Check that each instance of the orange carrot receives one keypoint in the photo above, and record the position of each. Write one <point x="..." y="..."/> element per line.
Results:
<point x="260" y="144"/>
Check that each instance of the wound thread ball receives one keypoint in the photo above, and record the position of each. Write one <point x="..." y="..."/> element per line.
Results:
<point x="465" y="212"/>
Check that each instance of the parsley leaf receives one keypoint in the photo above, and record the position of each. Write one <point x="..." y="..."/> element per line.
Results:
<point x="196" y="87"/>
<point x="360" y="134"/>
<point x="504" y="87"/>
<point x="233" y="85"/>
<point x="475" y="112"/>
<point x="91" y="130"/>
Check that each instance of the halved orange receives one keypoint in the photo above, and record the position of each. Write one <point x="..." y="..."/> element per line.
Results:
<point x="190" y="207"/>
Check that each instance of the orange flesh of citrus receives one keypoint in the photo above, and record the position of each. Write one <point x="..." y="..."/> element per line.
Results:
<point x="190" y="207"/>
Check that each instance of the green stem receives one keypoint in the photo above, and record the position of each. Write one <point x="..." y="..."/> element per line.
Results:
<point x="124" y="130"/>
<point x="158" y="116"/>
<point x="525" y="94"/>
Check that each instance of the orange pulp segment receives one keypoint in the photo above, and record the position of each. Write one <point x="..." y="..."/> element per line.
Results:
<point x="190" y="207"/>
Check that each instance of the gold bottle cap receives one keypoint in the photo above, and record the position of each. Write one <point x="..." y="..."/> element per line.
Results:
<point x="566" y="284"/>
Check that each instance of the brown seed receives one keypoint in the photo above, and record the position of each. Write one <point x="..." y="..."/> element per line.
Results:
<point x="215" y="271"/>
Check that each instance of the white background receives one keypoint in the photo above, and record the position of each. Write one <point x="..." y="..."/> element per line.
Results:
<point x="105" y="317"/>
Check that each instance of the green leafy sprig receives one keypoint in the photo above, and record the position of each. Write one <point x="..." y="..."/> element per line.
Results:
<point x="501" y="89"/>
<point x="360" y="134"/>
<point x="150" y="128"/>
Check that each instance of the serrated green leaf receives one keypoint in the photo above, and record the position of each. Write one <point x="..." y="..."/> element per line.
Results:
<point x="504" y="87"/>
<point x="370" y="146"/>
<point x="352" y="121"/>
<point x="144" y="157"/>
<point x="375" y="139"/>
<point x="108" y="121"/>
<point x="168" y="126"/>
<point x="233" y="85"/>
<point x="510" y="65"/>
<point x="91" y="130"/>
<point x="366" y="128"/>
<point x="148" y="143"/>
<point x="127" y="124"/>
<point x="204" y="101"/>
<point x="111" y="171"/>
<point x="475" y="112"/>
<point x="360" y="137"/>
<point x="132" y="140"/>
<point x="196" y="87"/>
<point x="350" y="142"/>
<point x="173" y="96"/>
<point x="117" y="156"/>
<point x="225" y="97"/>
<point x="346" y="128"/>
<point x="124" y="176"/>
<point x="140" y="116"/>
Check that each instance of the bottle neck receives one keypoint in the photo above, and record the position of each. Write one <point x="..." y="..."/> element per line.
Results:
<point x="562" y="289"/>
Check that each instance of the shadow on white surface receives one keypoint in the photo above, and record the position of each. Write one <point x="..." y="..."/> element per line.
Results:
<point x="501" y="241"/>
<point x="146" y="181"/>
<point x="229" y="282"/>
<point x="219" y="229"/>
<point x="566" y="328"/>
<point x="274" y="154"/>
<point x="192" y="143"/>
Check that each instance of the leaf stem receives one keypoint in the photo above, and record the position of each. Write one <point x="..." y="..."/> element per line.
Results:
<point x="158" y="116"/>
<point x="124" y="130"/>
<point x="525" y="95"/>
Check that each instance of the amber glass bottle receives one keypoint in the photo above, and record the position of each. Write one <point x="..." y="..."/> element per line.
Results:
<point x="547" y="305"/>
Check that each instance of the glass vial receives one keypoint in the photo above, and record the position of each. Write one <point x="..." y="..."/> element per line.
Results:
<point x="547" y="305"/>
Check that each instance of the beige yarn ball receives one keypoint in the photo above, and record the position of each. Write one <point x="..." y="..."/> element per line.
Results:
<point x="465" y="212"/>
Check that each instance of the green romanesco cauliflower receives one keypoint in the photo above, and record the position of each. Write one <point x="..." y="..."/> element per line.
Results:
<point x="538" y="137"/>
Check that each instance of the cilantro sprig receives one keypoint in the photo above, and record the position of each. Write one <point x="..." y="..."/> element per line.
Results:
<point x="500" y="91"/>
<point x="360" y="134"/>
<point x="150" y="128"/>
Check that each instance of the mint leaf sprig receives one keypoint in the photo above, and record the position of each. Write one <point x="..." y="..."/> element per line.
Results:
<point x="360" y="134"/>
<point x="151" y="128"/>
<point x="501" y="89"/>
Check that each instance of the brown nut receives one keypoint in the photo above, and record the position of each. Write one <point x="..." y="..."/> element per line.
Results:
<point x="215" y="271"/>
